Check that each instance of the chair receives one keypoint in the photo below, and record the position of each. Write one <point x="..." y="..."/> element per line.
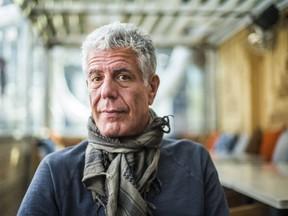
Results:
<point x="281" y="149"/>
<point x="269" y="140"/>
<point x="225" y="143"/>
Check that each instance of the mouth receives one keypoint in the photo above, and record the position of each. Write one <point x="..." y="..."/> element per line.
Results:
<point x="113" y="112"/>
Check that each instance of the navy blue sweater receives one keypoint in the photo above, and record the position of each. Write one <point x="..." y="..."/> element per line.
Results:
<point x="190" y="184"/>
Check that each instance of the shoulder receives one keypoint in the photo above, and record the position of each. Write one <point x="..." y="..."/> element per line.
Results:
<point x="182" y="146"/>
<point x="74" y="152"/>
<point x="187" y="155"/>
<point x="66" y="160"/>
<point x="64" y="168"/>
<point x="57" y="178"/>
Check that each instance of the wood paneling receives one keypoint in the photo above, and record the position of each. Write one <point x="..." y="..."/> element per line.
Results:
<point x="252" y="89"/>
<point x="234" y="85"/>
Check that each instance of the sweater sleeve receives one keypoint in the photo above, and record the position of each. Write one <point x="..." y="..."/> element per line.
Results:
<point x="40" y="197"/>
<point x="215" y="199"/>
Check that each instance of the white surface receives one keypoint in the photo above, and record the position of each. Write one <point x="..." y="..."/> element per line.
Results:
<point x="265" y="182"/>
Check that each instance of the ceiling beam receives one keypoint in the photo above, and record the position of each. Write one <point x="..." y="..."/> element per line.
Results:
<point x="159" y="41"/>
<point x="170" y="23"/>
<point x="130" y="8"/>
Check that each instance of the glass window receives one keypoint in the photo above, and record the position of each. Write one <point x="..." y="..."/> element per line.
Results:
<point x="10" y="103"/>
<point x="69" y="98"/>
<point x="21" y="76"/>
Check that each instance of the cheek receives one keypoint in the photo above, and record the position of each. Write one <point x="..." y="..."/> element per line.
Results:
<point x="93" y="98"/>
<point x="140" y="100"/>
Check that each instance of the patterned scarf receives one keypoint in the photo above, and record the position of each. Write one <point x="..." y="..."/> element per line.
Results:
<point x="119" y="172"/>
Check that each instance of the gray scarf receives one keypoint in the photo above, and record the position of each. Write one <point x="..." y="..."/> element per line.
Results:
<point x="119" y="172"/>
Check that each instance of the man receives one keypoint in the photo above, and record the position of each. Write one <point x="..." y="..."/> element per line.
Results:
<point x="125" y="167"/>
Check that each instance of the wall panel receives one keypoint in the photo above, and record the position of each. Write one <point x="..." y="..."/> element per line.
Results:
<point x="253" y="88"/>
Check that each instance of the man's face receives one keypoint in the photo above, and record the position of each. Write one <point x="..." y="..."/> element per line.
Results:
<point x="118" y="97"/>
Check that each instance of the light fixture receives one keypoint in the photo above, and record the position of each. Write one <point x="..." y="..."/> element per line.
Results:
<point x="262" y="33"/>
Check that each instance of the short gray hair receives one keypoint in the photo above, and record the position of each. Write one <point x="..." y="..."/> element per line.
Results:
<point x="122" y="35"/>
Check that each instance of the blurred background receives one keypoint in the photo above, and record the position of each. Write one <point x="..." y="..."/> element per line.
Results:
<point x="223" y="66"/>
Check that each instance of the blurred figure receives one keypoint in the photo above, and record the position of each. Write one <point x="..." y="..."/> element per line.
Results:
<point x="2" y="76"/>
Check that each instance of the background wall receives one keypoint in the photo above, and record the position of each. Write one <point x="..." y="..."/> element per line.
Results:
<point x="253" y="87"/>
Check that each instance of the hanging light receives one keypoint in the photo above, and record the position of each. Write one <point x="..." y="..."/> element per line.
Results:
<point x="262" y="34"/>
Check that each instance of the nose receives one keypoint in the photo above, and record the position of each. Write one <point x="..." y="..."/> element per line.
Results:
<point x="109" y="89"/>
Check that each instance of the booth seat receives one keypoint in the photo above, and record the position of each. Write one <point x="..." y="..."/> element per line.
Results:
<point x="268" y="144"/>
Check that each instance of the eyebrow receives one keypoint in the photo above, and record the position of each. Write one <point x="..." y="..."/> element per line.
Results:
<point x="92" y="71"/>
<point x="114" y="72"/>
<point x="118" y="70"/>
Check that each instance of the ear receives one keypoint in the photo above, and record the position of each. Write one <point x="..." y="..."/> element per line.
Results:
<point x="153" y="85"/>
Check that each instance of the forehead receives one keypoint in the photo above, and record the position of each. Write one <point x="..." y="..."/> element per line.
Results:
<point x="102" y="60"/>
<point x="113" y="55"/>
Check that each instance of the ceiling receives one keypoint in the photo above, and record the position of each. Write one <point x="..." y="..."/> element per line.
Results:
<point x="170" y="22"/>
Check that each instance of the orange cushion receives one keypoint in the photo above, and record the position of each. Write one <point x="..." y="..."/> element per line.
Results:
<point x="212" y="139"/>
<point x="269" y="140"/>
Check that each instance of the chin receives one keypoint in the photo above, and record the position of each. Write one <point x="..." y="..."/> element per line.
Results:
<point x="117" y="134"/>
<point x="117" y="130"/>
<point x="112" y="133"/>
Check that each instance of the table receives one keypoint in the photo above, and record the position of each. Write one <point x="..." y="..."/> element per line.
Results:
<point x="262" y="181"/>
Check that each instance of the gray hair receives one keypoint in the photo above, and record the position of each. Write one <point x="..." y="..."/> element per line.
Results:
<point x="122" y="35"/>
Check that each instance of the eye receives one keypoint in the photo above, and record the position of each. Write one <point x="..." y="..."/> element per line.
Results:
<point x="96" y="79"/>
<point x="124" y="77"/>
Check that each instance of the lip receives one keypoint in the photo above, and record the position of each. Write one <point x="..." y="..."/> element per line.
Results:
<point x="112" y="113"/>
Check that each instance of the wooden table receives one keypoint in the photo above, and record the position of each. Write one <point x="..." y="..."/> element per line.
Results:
<point x="265" y="182"/>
